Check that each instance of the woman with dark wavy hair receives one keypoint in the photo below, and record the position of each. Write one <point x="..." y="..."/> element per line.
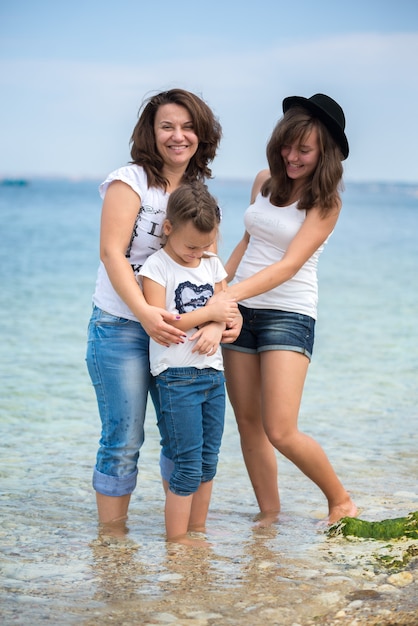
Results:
<point x="294" y="208"/>
<point x="174" y="141"/>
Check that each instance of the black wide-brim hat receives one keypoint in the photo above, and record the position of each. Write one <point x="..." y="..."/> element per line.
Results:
<point x="328" y="111"/>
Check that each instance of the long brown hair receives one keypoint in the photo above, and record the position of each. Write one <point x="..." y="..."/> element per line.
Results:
<point x="206" y="126"/>
<point x="322" y="188"/>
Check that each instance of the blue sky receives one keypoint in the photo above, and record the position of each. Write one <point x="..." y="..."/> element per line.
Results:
<point x="73" y="75"/>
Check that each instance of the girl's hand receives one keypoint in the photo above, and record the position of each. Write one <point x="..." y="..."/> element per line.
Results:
<point x="156" y="323"/>
<point x="207" y="338"/>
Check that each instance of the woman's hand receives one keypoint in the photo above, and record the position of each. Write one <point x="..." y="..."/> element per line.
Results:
<point x="222" y="295"/>
<point x="222" y="310"/>
<point x="156" y="323"/>
<point x="233" y="329"/>
<point x="234" y="324"/>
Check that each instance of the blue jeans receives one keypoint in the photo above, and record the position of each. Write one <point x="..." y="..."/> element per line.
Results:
<point x="191" y="423"/>
<point x="118" y="364"/>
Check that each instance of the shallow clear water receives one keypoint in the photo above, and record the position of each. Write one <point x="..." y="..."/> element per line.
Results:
<point x="360" y="402"/>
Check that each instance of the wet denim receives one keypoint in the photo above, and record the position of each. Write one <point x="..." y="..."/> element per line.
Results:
<point x="191" y="423"/>
<point x="118" y="364"/>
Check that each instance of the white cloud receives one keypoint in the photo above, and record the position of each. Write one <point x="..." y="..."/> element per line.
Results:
<point x="93" y="105"/>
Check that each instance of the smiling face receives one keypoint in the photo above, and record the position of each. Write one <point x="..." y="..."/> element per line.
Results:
<point x="175" y="137"/>
<point x="186" y="244"/>
<point x="301" y="158"/>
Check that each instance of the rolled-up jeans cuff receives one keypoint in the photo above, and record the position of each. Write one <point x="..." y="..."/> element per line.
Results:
<point x="166" y="467"/>
<point x="114" y="485"/>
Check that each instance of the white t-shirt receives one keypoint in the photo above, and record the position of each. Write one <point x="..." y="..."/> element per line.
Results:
<point x="146" y="235"/>
<point x="187" y="289"/>
<point x="271" y="230"/>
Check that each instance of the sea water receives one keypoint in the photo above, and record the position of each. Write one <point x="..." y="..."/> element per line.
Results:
<point x="360" y="402"/>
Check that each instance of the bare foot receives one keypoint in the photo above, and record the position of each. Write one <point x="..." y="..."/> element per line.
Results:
<point x="345" y="509"/>
<point x="194" y="540"/>
<point x="114" y="528"/>
<point x="114" y="534"/>
<point x="197" y="528"/>
<point x="266" y="519"/>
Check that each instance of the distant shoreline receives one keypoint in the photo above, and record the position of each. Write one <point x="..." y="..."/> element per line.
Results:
<point x="23" y="181"/>
<point x="14" y="182"/>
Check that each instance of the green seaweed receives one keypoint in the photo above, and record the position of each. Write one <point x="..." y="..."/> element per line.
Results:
<point x="394" y="559"/>
<point x="396" y="528"/>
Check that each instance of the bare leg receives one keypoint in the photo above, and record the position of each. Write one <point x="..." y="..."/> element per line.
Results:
<point x="200" y="507"/>
<point x="113" y="513"/>
<point x="110" y="508"/>
<point x="244" y="390"/>
<point x="283" y="377"/>
<point x="177" y="515"/>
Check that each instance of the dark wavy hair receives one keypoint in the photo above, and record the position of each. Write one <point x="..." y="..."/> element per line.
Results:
<point x="206" y="126"/>
<point x="323" y="187"/>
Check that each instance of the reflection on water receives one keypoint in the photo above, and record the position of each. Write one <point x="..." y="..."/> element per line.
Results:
<point x="360" y="403"/>
<point x="57" y="566"/>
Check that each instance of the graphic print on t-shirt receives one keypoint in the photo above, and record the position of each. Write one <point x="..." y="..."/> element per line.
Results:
<point x="152" y="229"/>
<point x="189" y="297"/>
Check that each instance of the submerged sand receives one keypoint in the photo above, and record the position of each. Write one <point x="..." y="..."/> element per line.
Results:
<point x="56" y="570"/>
<point x="249" y="579"/>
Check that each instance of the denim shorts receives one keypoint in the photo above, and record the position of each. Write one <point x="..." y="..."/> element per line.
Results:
<point x="191" y="423"/>
<point x="268" y="329"/>
<point x="118" y="364"/>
